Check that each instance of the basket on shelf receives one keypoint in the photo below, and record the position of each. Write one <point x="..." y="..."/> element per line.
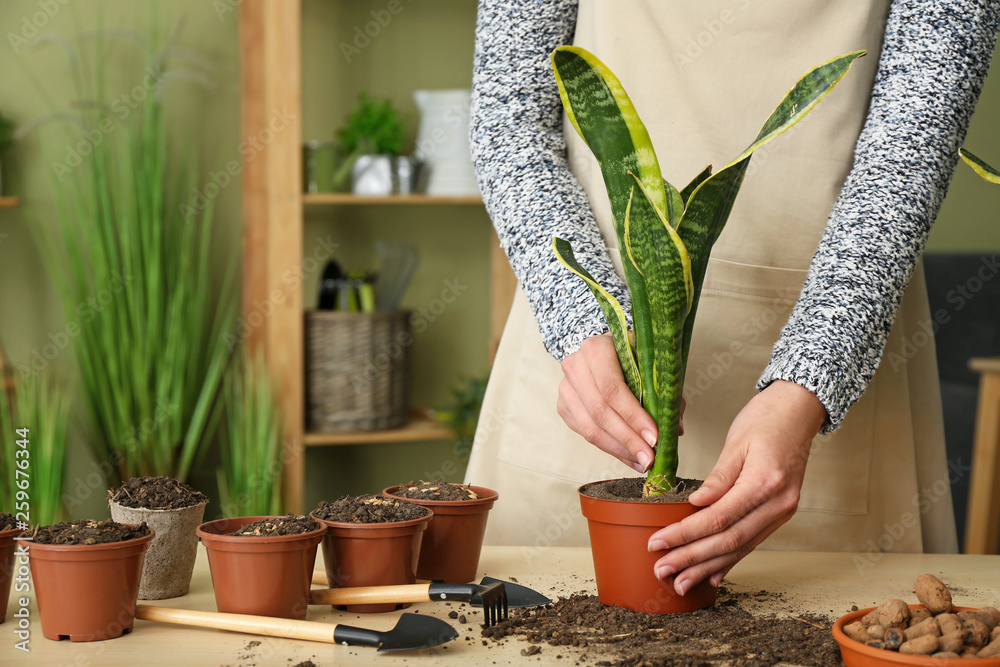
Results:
<point x="357" y="370"/>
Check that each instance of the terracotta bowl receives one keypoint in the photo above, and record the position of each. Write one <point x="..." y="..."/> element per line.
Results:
<point x="856" y="654"/>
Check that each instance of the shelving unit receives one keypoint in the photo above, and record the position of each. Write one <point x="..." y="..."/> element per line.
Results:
<point x="273" y="204"/>
<point x="9" y="202"/>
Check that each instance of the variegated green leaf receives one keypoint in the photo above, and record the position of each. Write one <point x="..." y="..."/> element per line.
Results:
<point x="606" y="119"/>
<point x="614" y="315"/>
<point x="661" y="256"/>
<point x="698" y="180"/>
<point x="711" y="201"/>
<point x="987" y="172"/>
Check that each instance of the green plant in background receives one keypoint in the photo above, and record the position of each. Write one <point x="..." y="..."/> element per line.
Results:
<point x="250" y="476"/>
<point x="666" y="235"/>
<point x="133" y="274"/>
<point x="462" y="412"/>
<point x="6" y="134"/>
<point x="41" y="405"/>
<point x="985" y="171"/>
<point x="374" y="126"/>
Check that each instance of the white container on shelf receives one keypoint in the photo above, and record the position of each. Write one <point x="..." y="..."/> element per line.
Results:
<point x="443" y="142"/>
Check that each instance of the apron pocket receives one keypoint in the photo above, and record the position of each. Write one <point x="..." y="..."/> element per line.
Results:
<point x="742" y="310"/>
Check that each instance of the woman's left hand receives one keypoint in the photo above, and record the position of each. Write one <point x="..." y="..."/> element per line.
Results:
<point x="752" y="490"/>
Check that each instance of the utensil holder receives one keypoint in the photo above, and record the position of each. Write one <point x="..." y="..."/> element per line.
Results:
<point x="357" y="370"/>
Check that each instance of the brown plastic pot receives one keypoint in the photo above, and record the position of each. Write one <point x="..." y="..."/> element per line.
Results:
<point x="263" y="576"/>
<point x="87" y="592"/>
<point x="372" y="554"/>
<point x="856" y="654"/>
<point x="619" y="532"/>
<point x="7" y="549"/>
<point x="167" y="568"/>
<point x="454" y="537"/>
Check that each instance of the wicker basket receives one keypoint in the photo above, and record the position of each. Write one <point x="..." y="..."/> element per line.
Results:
<point x="357" y="370"/>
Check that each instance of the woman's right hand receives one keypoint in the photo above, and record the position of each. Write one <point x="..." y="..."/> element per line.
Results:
<point x="595" y="402"/>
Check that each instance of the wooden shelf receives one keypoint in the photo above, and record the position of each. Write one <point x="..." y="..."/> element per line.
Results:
<point x="418" y="429"/>
<point x="340" y="198"/>
<point x="9" y="202"/>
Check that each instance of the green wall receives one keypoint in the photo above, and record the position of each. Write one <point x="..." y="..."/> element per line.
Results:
<point x="427" y="45"/>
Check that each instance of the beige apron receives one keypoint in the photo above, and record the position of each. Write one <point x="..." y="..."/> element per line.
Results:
<point x="704" y="76"/>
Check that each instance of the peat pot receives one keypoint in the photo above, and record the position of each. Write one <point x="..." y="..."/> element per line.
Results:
<point x="372" y="554"/>
<point x="167" y="568"/>
<point x="87" y="592"/>
<point x="262" y="576"/>
<point x="454" y="537"/>
<point x="619" y="532"/>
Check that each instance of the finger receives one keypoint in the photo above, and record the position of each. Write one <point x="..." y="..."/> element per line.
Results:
<point x="573" y="412"/>
<point x="722" y="478"/>
<point x="715" y="568"/>
<point x="748" y="500"/>
<point x="598" y="403"/>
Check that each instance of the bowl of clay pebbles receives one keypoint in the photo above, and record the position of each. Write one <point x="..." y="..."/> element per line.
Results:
<point x="86" y="577"/>
<point x="371" y="540"/>
<point x="932" y="633"/>
<point x="9" y="529"/>
<point x="262" y="565"/>
<point x="174" y="511"/>
<point x="454" y="537"/>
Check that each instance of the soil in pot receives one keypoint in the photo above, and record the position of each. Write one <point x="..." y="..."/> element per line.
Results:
<point x="8" y="530"/>
<point x="454" y="537"/>
<point x="582" y="630"/>
<point x="86" y="577"/>
<point x="630" y="489"/>
<point x="371" y="540"/>
<point x="173" y="510"/>
<point x="268" y="574"/>
<point x="620" y="526"/>
<point x="284" y="525"/>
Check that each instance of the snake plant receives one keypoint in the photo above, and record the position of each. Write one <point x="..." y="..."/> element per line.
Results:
<point x="987" y="172"/>
<point x="666" y="234"/>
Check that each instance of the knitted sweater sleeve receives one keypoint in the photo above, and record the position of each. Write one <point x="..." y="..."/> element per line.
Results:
<point x="520" y="158"/>
<point x="934" y="59"/>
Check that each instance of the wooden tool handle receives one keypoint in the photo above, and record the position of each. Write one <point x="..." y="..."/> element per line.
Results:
<point x="371" y="594"/>
<point x="258" y="625"/>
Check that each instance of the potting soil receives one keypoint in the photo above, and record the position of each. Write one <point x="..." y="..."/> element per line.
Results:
<point x="369" y="509"/>
<point x="85" y="531"/>
<point x="285" y="525"/>
<point x="630" y="488"/>
<point x="726" y="634"/>
<point x="435" y="490"/>
<point x="7" y="521"/>
<point x="156" y="493"/>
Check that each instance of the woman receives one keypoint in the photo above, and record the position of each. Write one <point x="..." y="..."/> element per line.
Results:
<point x="837" y="209"/>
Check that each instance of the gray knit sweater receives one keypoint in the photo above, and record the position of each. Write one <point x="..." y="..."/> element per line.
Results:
<point x="934" y="60"/>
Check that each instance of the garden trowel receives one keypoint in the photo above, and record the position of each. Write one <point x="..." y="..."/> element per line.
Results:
<point x="412" y="631"/>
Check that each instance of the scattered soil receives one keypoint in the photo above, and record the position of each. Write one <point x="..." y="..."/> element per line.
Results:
<point x="307" y="663"/>
<point x="7" y="521"/>
<point x="630" y="488"/>
<point x="85" y="531"/>
<point x="156" y="493"/>
<point x="286" y="525"/>
<point x="369" y="509"/>
<point x="436" y="490"/>
<point x="725" y="634"/>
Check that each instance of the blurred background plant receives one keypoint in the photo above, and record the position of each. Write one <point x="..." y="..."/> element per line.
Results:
<point x="6" y="142"/>
<point x="462" y="411"/>
<point x="132" y="270"/>
<point x="250" y="475"/>
<point x="374" y="126"/>
<point x="41" y="405"/>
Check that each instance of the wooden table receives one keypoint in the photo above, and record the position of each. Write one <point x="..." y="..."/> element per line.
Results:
<point x="825" y="583"/>
<point x="982" y="524"/>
